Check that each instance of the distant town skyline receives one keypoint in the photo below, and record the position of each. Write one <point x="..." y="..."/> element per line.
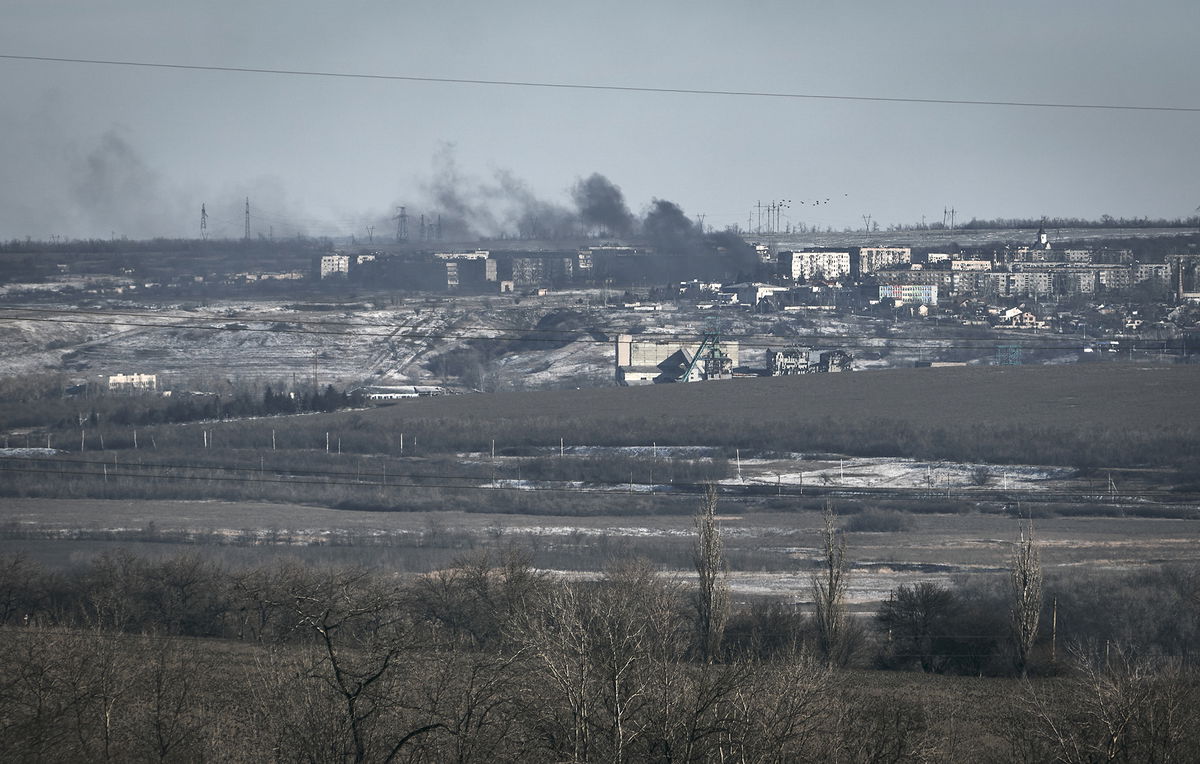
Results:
<point x="907" y="113"/>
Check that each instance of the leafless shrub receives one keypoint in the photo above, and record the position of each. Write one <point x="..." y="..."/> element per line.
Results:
<point x="981" y="475"/>
<point x="878" y="521"/>
<point x="1121" y="707"/>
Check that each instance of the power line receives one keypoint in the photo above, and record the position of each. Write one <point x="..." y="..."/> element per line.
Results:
<point x="369" y="479"/>
<point x="601" y="87"/>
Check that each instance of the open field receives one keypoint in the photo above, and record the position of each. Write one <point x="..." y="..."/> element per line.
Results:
<point x="770" y="552"/>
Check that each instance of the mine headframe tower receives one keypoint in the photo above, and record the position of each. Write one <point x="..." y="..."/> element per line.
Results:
<point x="710" y="360"/>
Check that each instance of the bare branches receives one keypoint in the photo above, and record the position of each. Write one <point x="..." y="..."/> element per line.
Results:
<point x="1025" y="578"/>
<point x="1118" y="706"/>
<point x="829" y="595"/>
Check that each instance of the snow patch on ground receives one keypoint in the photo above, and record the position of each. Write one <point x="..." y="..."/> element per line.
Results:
<point x="883" y="472"/>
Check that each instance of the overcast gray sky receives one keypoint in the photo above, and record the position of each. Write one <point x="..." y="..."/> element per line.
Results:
<point x="93" y="150"/>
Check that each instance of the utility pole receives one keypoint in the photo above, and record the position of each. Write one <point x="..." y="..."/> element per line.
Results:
<point x="203" y="222"/>
<point x="401" y="219"/>
<point x="247" y="234"/>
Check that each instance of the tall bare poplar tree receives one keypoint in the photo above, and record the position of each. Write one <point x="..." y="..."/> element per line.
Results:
<point x="1025" y="578"/>
<point x="829" y="595"/>
<point x="712" y="596"/>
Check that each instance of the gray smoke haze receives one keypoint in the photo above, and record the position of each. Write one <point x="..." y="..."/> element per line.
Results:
<point x="89" y="187"/>
<point x="113" y="187"/>
<point x="103" y="184"/>
<point x="533" y="218"/>
<point x="459" y="207"/>
<point x="506" y="206"/>
<point x="109" y="187"/>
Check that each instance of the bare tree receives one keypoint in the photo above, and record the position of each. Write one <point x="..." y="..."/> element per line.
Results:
<point x="829" y="595"/>
<point x="480" y="598"/>
<point x="1120" y="707"/>
<point x="712" y="595"/>
<point x="560" y="644"/>
<point x="361" y="635"/>
<point x="1025" y="578"/>
<point x="597" y="648"/>
<point x="21" y="589"/>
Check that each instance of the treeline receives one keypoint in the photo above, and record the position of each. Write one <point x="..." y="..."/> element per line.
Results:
<point x="158" y="246"/>
<point x="95" y="412"/>
<point x="181" y="659"/>
<point x="1105" y="221"/>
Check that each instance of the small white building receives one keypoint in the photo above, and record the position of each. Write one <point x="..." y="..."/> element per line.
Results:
<point x="132" y="382"/>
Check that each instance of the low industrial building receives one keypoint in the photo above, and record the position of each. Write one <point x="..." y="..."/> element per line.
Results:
<point x="650" y="361"/>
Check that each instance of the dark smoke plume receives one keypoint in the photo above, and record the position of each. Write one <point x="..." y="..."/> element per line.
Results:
<point x="506" y="206"/>
<point x="668" y="230"/>
<point x="602" y="205"/>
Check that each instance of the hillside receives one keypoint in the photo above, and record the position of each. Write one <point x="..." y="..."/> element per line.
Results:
<point x="1113" y="395"/>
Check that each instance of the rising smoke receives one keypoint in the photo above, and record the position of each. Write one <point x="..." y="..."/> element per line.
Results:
<point x="506" y="207"/>
<point x="602" y="206"/>
<point x="108" y="187"/>
<point x="668" y="230"/>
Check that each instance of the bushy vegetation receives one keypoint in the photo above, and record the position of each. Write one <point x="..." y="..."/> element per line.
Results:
<point x="878" y="521"/>
<point x="184" y="659"/>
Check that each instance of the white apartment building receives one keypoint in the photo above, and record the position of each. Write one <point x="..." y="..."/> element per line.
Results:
<point x="333" y="265"/>
<point x="871" y="259"/>
<point x="808" y="264"/>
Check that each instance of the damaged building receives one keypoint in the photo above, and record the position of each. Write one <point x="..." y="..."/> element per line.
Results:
<point x="789" y="361"/>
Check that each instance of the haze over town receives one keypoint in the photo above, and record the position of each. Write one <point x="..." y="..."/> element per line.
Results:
<point x="102" y="150"/>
